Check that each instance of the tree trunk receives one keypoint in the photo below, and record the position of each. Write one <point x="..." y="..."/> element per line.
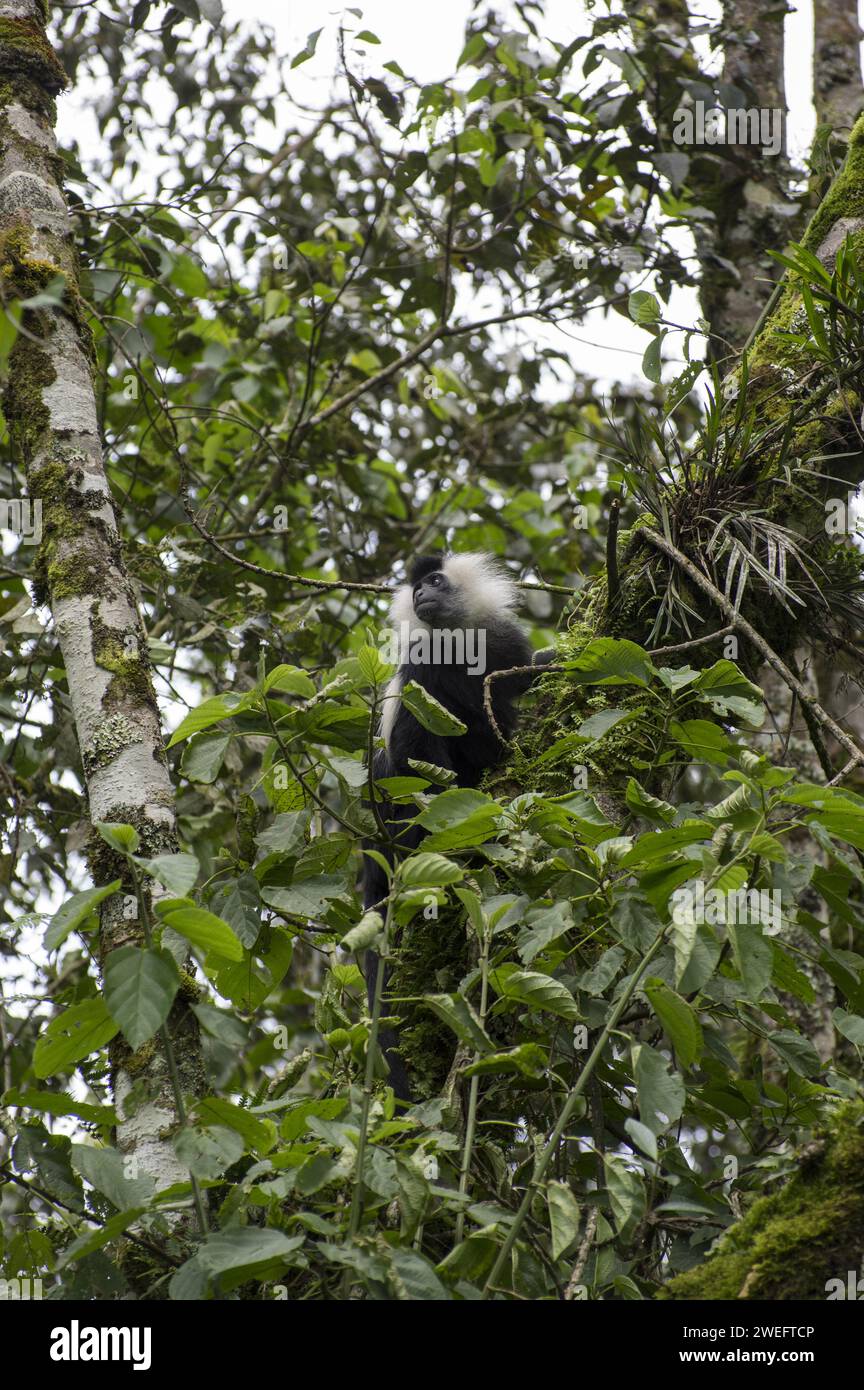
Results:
<point x="51" y="412"/>
<point x="837" y="90"/>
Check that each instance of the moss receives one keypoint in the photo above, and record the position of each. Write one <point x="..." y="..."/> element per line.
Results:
<point x="845" y="198"/>
<point x="24" y="91"/>
<point x="790" y="1244"/>
<point x="139" y="1061"/>
<point x="29" y="420"/>
<point x="131" y="672"/>
<point x="431" y="958"/>
<point x="26" y="52"/>
<point x="64" y="570"/>
<point x="25" y="275"/>
<point x="189" y="989"/>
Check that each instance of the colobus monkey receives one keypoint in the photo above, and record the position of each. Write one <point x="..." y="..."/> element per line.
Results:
<point x="455" y="622"/>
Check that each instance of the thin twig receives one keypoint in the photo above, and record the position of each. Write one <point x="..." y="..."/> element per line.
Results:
<point x="696" y="642"/>
<point x="575" y="1280"/>
<point x="497" y="675"/>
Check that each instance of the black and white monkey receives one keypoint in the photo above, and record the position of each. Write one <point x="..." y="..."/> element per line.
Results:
<point x="455" y="622"/>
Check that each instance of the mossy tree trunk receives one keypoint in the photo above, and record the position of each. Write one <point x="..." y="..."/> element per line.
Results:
<point x="50" y="409"/>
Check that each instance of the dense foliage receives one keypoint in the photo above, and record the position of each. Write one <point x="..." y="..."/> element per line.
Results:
<point x="317" y="351"/>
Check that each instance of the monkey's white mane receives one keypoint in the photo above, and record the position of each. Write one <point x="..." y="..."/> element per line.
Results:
<point x="488" y="590"/>
<point x="390" y="707"/>
<point x="402" y="609"/>
<point x="488" y="593"/>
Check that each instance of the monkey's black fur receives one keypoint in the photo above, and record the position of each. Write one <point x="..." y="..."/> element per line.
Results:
<point x="455" y="593"/>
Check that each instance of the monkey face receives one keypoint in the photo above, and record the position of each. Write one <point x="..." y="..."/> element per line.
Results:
<point x="436" y="601"/>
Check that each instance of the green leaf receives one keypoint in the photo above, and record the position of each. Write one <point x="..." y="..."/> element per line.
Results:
<point x="293" y="680"/>
<point x="73" y="1035"/>
<point x="177" y="872"/>
<point x="702" y="741"/>
<point x="685" y="935"/>
<point x="207" y="713"/>
<point x="92" y="1241"/>
<point x="611" y="661"/>
<point x="563" y="1217"/>
<point x="309" y="51"/>
<point x="430" y="712"/>
<point x="527" y="1059"/>
<point x="643" y="307"/>
<point x="258" y="1134"/>
<point x="188" y="276"/>
<point x="652" y="358"/>
<point x="429" y="868"/>
<point x="459" y="1015"/>
<point x="473" y="48"/>
<point x="75" y="912"/>
<point x="626" y="1193"/>
<point x="454" y="805"/>
<point x="309" y="897"/>
<point x="246" y="1249"/>
<point x="797" y="1052"/>
<point x="753" y="957"/>
<point x="286" y="834"/>
<point x="124" y="838"/>
<point x="537" y="992"/>
<point x="59" y="1103"/>
<point x="413" y="1278"/>
<point x="661" y="1094"/>
<point x="730" y="693"/>
<point x="140" y="986"/>
<point x="105" y="1169"/>
<point x="642" y="1136"/>
<point x="202" y="757"/>
<point x="365" y="934"/>
<point x="206" y="930"/>
<point x="605" y="719"/>
<point x="596" y="980"/>
<point x="657" y="844"/>
<point x="460" y="818"/>
<point x="543" y="926"/>
<point x="678" y="1019"/>
<point x="647" y="806"/>
<point x="850" y="1025"/>
<point x="244" y="982"/>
